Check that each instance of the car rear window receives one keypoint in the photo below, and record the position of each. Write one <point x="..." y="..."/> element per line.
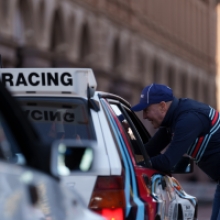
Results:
<point x="57" y="118"/>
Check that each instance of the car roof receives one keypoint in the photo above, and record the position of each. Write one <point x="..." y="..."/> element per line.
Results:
<point x="108" y="95"/>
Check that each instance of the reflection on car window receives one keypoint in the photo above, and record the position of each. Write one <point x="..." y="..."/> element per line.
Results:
<point x="9" y="150"/>
<point x="56" y="119"/>
<point x="130" y="134"/>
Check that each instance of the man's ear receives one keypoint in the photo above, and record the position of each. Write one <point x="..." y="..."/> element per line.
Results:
<point x="163" y="106"/>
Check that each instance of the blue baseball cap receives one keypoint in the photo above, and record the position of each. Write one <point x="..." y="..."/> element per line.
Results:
<point x="152" y="94"/>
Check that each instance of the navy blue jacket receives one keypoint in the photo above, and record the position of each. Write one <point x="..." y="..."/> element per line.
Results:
<point x="191" y="128"/>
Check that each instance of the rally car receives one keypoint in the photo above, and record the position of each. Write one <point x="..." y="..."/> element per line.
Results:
<point x="62" y="103"/>
<point x="29" y="185"/>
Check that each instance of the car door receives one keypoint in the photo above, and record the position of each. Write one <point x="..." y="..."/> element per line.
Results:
<point x="154" y="187"/>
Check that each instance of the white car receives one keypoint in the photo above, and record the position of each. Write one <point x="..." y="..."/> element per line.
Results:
<point x="63" y="103"/>
<point x="29" y="186"/>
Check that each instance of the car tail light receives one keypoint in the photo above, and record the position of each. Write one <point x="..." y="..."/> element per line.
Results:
<point x="108" y="197"/>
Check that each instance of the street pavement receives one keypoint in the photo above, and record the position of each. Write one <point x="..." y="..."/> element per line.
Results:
<point x="204" y="212"/>
<point x="204" y="192"/>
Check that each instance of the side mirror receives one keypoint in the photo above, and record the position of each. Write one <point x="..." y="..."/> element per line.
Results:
<point x="70" y="156"/>
<point x="185" y="165"/>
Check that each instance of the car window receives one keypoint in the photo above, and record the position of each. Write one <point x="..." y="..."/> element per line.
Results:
<point x="9" y="149"/>
<point x="130" y="131"/>
<point x="138" y="126"/>
<point x="59" y="119"/>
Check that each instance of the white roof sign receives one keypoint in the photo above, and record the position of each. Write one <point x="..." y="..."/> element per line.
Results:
<point x="49" y="80"/>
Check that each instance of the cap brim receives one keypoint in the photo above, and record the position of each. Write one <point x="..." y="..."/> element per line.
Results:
<point x="139" y="107"/>
<point x="121" y="117"/>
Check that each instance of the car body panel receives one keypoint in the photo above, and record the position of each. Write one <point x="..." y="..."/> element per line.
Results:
<point x="28" y="194"/>
<point x="81" y="183"/>
<point x="108" y="142"/>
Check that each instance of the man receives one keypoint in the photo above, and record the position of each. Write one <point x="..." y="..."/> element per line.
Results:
<point x="189" y="127"/>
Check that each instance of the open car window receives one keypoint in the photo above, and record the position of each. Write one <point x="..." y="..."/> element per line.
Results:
<point x="133" y="129"/>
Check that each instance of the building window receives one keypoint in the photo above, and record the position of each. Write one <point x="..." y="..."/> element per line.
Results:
<point x="57" y="33"/>
<point x="156" y="71"/>
<point x="170" y="77"/>
<point x="195" y="89"/>
<point x="41" y="14"/>
<point x="183" y="83"/>
<point x="71" y="29"/>
<point x="85" y="47"/>
<point x="205" y="93"/>
<point x="4" y="8"/>
<point x="116" y="54"/>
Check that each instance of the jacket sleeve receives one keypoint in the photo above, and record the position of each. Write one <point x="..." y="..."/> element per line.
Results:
<point x="158" y="142"/>
<point x="188" y="127"/>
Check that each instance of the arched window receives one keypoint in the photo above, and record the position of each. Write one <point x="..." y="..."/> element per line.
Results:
<point x="205" y="90"/>
<point x="71" y="29"/>
<point x="23" y="24"/>
<point x="19" y="28"/>
<point x="126" y="51"/>
<point x="85" y="47"/>
<point x="195" y="89"/>
<point x="27" y="13"/>
<point x="183" y="84"/>
<point x="141" y="62"/>
<point x="57" y="32"/>
<point x="23" y="27"/>
<point x="115" y="54"/>
<point x="4" y="6"/>
<point x="156" y="71"/>
<point x="41" y="17"/>
<point x="170" y="77"/>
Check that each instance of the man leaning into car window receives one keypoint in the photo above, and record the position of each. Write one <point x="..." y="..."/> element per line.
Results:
<point x="189" y="127"/>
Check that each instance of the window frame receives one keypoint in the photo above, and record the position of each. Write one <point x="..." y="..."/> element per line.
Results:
<point x="124" y="110"/>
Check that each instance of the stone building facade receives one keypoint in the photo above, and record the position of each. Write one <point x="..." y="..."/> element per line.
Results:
<point x="128" y="43"/>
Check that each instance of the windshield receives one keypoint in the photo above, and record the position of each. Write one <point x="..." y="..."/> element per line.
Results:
<point x="57" y="118"/>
